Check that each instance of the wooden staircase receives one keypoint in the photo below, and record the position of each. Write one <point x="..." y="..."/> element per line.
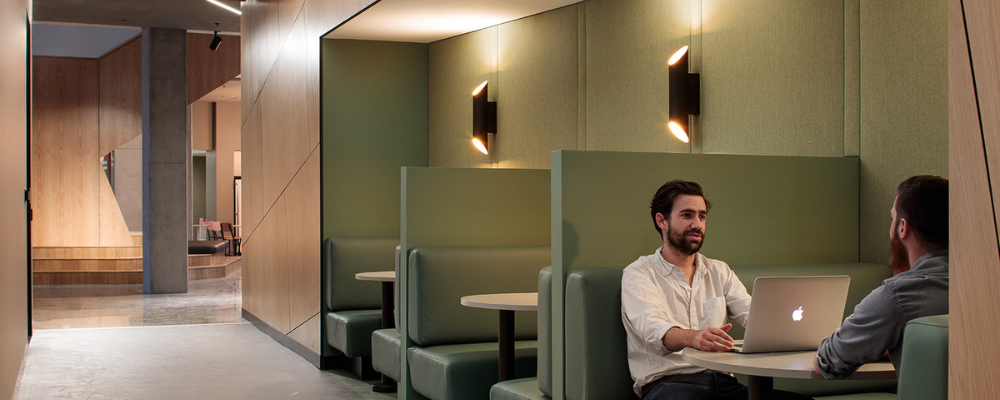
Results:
<point x="114" y="265"/>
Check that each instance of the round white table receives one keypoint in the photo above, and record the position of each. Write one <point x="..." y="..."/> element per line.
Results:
<point x="506" y="303"/>
<point x="388" y="279"/>
<point x="762" y="368"/>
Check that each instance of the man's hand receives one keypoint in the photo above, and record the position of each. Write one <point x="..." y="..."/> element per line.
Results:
<point x="713" y="339"/>
<point x="708" y="339"/>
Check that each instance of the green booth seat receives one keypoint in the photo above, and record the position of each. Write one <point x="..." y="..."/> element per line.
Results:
<point x="539" y="387"/>
<point x="465" y="371"/>
<point x="385" y="352"/>
<point x="456" y="346"/>
<point x="353" y="307"/>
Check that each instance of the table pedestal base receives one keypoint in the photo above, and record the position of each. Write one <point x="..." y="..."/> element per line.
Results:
<point x="386" y="386"/>
<point x="759" y="387"/>
<point x="506" y="339"/>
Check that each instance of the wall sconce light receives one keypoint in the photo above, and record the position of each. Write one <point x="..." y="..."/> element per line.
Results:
<point x="484" y="118"/>
<point x="685" y="94"/>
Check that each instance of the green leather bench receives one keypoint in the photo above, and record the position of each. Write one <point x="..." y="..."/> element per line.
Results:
<point x="456" y="346"/>
<point x="353" y="307"/>
<point x="596" y="351"/>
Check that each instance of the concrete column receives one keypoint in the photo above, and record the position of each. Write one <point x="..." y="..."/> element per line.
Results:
<point x="166" y="147"/>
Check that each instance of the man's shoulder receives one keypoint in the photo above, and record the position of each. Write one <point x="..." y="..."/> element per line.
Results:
<point x="642" y="264"/>
<point x="713" y="264"/>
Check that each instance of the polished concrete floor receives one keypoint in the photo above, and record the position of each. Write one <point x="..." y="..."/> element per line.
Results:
<point x="114" y="342"/>
<point x="208" y="301"/>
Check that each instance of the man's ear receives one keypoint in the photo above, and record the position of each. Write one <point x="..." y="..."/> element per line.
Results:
<point x="661" y="221"/>
<point x="903" y="229"/>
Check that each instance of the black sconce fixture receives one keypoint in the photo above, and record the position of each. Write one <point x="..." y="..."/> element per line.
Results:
<point x="484" y="118"/>
<point x="685" y="94"/>
<point x="216" y="41"/>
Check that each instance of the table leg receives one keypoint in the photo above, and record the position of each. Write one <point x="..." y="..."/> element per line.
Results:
<point x="759" y="387"/>
<point x="387" y="385"/>
<point x="506" y="339"/>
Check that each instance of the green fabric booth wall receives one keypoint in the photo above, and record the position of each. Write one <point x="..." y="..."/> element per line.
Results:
<point x="456" y="357"/>
<point x="353" y="307"/>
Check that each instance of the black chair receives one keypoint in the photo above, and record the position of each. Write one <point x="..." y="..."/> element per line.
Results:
<point x="228" y="233"/>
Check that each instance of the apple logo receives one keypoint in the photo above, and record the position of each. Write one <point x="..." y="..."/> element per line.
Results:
<point x="797" y="314"/>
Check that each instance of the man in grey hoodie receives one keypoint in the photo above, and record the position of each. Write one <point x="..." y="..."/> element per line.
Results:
<point x="918" y="241"/>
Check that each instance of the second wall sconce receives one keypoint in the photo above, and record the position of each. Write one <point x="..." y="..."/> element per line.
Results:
<point x="685" y="94"/>
<point x="484" y="118"/>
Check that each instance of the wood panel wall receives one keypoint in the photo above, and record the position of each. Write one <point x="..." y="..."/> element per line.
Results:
<point x="14" y="80"/>
<point x="280" y="130"/>
<point x="121" y="95"/>
<point x="207" y="69"/>
<point x="73" y="203"/>
<point x="974" y="162"/>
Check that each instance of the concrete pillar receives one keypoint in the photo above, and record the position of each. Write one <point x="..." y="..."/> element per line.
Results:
<point x="166" y="147"/>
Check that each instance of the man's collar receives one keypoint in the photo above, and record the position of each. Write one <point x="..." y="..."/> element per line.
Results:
<point x="927" y="256"/>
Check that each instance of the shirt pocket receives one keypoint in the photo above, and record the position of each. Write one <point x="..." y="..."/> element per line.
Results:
<point x="714" y="312"/>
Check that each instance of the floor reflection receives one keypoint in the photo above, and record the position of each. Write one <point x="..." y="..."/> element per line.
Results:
<point x="208" y="301"/>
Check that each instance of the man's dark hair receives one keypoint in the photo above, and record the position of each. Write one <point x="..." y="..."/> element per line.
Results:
<point x="663" y="200"/>
<point x="923" y="202"/>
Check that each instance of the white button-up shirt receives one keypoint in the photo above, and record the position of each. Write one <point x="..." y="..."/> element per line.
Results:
<point x="656" y="297"/>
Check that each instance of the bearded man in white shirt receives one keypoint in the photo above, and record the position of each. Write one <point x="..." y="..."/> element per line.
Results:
<point x="677" y="298"/>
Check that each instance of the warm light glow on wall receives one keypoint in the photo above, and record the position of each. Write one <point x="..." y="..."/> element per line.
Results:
<point x="677" y="55"/>
<point x="479" y="88"/>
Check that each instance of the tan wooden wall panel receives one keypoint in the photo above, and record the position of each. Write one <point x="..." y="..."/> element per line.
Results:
<point x="274" y="268"/>
<point x="13" y="179"/>
<point x="121" y="95"/>
<point x="207" y="69"/>
<point x="254" y="202"/>
<point x="251" y="296"/>
<point x="65" y="151"/>
<point x="303" y="227"/>
<point x="975" y="257"/>
<point x="275" y="140"/>
<point x="308" y="334"/>
<point x="114" y="231"/>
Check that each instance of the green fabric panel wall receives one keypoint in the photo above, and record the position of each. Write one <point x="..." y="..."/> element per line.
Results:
<point x="374" y="122"/>
<point x="766" y="210"/>
<point x="457" y="66"/>
<point x="628" y="44"/>
<point x="537" y="88"/>
<point x="904" y="107"/>
<point x="476" y="207"/>
<point x="772" y="77"/>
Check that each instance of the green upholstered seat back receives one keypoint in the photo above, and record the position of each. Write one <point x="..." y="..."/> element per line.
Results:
<point x="343" y="257"/>
<point x="923" y="370"/>
<point x="864" y="278"/>
<point x="545" y="331"/>
<point x="596" y="345"/>
<point x="438" y="277"/>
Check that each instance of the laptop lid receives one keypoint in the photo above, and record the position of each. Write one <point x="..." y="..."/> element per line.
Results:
<point x="794" y="313"/>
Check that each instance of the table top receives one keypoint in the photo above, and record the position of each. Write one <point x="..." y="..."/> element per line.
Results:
<point x="378" y="276"/>
<point x="503" y="301"/>
<point x="798" y="364"/>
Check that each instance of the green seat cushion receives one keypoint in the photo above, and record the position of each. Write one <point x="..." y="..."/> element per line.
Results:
<point x="596" y="344"/>
<point x="517" y="389"/>
<point x="385" y="352"/>
<point x="465" y="371"/>
<point x="438" y="278"/>
<point x="923" y="369"/>
<point x="351" y="331"/>
<point x="343" y="257"/>
<point x="860" y="396"/>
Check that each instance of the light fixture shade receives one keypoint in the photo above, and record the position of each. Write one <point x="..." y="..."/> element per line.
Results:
<point x="216" y="42"/>
<point x="484" y="117"/>
<point x="684" y="95"/>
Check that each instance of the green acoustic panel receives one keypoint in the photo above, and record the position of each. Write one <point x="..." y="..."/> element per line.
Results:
<point x="476" y="207"/>
<point x="374" y="122"/>
<point x="766" y="209"/>
<point x="772" y="77"/>
<point x="904" y="107"/>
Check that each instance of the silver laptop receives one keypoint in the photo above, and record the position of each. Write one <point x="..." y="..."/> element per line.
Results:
<point x="793" y="313"/>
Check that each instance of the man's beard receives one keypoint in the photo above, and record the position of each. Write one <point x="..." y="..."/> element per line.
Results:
<point x="679" y="241"/>
<point x="900" y="260"/>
